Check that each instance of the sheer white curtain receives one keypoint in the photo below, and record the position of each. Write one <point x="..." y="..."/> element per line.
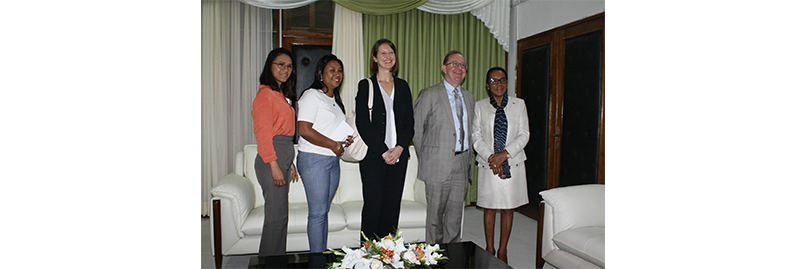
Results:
<point x="496" y="16"/>
<point x="454" y="6"/>
<point x="236" y="38"/>
<point x="494" y="13"/>
<point x="347" y="45"/>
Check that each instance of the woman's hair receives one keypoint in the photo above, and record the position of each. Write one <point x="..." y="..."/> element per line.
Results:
<point x="373" y="64"/>
<point x="268" y="79"/>
<point x="487" y="77"/>
<point x="318" y="84"/>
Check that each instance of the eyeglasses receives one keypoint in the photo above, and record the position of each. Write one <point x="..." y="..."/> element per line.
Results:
<point x="456" y="64"/>
<point x="494" y="81"/>
<point x="284" y="66"/>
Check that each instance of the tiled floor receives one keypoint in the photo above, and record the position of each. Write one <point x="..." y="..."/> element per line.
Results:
<point x="521" y="249"/>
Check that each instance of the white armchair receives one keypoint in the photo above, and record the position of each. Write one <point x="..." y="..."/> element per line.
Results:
<point x="572" y="227"/>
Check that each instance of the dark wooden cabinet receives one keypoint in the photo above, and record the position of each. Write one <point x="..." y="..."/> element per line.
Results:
<point x="561" y="76"/>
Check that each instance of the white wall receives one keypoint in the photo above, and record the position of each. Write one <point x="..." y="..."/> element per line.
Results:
<point x="536" y="16"/>
<point x="532" y="17"/>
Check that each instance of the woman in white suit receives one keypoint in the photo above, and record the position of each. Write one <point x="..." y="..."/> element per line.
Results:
<point x="500" y="132"/>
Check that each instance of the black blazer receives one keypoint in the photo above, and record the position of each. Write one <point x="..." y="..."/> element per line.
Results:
<point x="373" y="133"/>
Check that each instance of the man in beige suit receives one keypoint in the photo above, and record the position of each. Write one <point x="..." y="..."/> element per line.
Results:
<point x="443" y="117"/>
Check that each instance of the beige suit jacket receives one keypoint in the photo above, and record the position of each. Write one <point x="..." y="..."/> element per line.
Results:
<point x="434" y="132"/>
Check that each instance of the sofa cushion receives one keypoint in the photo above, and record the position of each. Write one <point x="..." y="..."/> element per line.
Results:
<point x="298" y="219"/>
<point x="349" y="183"/>
<point x="336" y="218"/>
<point x="254" y="223"/>
<point x="297" y="192"/>
<point x="587" y="243"/>
<point x="576" y="206"/>
<point x="413" y="215"/>
<point x="353" y="214"/>
<point x="562" y="259"/>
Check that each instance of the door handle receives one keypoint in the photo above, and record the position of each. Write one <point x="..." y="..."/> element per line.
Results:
<point x="557" y="137"/>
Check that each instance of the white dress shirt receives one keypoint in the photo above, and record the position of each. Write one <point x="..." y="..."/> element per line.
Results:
<point x="450" y="92"/>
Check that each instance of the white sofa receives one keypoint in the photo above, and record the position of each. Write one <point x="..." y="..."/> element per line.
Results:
<point x="573" y="227"/>
<point x="241" y="206"/>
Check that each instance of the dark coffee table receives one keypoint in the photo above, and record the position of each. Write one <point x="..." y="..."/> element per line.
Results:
<point x="460" y="255"/>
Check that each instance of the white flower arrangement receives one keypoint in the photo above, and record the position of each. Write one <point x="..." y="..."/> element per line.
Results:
<point x="387" y="252"/>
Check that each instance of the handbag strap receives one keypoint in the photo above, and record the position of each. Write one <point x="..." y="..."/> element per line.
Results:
<point x="370" y="98"/>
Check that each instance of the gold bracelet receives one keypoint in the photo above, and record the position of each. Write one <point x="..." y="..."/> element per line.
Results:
<point x="336" y="148"/>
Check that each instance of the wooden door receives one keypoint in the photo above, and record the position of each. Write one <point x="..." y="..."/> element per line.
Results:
<point x="561" y="77"/>
<point x="535" y="77"/>
<point x="307" y="33"/>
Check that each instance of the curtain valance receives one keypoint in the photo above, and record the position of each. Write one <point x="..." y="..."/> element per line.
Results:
<point x="496" y="16"/>
<point x="278" y="4"/>
<point x="449" y="7"/>
<point x="380" y="7"/>
<point x="494" y="13"/>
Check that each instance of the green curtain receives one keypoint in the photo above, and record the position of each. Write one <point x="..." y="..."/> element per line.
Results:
<point x="380" y="7"/>
<point x="423" y="39"/>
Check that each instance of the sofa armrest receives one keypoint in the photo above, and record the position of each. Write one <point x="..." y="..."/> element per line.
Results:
<point x="240" y="192"/>
<point x="547" y="230"/>
<point x="576" y="206"/>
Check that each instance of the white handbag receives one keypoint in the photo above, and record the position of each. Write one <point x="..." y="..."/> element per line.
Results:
<point x="356" y="151"/>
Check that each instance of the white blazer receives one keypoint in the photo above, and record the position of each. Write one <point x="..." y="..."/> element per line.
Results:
<point x="518" y="130"/>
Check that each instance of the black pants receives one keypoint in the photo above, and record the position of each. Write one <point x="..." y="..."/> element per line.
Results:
<point x="382" y="188"/>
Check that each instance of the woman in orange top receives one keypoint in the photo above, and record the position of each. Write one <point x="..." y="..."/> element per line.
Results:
<point x="273" y="122"/>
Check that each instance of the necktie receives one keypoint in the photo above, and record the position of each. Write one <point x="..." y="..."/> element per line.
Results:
<point x="458" y="108"/>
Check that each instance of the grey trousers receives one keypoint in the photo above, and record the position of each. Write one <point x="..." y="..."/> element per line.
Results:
<point x="276" y="205"/>
<point x="445" y="203"/>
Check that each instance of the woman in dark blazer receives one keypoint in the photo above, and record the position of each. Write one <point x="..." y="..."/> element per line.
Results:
<point x="387" y="136"/>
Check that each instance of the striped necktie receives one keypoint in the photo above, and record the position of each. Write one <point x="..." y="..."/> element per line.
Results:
<point x="458" y="107"/>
